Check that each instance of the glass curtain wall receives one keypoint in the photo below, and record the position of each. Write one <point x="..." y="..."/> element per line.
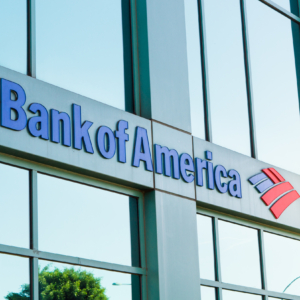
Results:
<point x="13" y="35"/>
<point x="67" y="232"/>
<point x="238" y="253"/>
<point x="273" y="44"/>
<point x="269" y="46"/>
<point x="82" y="50"/>
<point x="226" y="75"/>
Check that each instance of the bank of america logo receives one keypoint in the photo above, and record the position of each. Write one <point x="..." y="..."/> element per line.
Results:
<point x="278" y="193"/>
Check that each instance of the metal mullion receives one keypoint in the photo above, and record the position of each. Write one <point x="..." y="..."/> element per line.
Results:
<point x="217" y="250"/>
<point x="281" y="10"/>
<point x="33" y="211"/>
<point x="219" y="293"/>
<point x="31" y="38"/>
<point x="205" y="81"/>
<point x="251" y="116"/>
<point x="262" y="259"/>
<point x="34" y="279"/>
<point x="60" y="258"/>
<point x="34" y="264"/>
<point x="249" y="290"/>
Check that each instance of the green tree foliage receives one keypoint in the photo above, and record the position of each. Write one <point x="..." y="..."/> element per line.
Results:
<point x="64" y="285"/>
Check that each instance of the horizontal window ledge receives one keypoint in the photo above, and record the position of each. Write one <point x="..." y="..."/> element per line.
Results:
<point x="246" y="289"/>
<point x="71" y="260"/>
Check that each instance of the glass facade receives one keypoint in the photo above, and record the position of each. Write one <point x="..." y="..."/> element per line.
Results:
<point x="226" y="75"/>
<point x="67" y="234"/>
<point x="93" y="231"/>
<point x="14" y="277"/>
<point x="13" y="35"/>
<point x="273" y="40"/>
<point x="84" y="56"/>
<point x="105" y="225"/>
<point x="96" y="284"/>
<point x="14" y="205"/>
<point x="241" y="251"/>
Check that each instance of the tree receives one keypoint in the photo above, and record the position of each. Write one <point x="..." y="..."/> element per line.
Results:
<point x="64" y="285"/>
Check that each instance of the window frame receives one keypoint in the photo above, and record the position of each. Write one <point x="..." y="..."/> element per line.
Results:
<point x="33" y="252"/>
<point x="261" y="228"/>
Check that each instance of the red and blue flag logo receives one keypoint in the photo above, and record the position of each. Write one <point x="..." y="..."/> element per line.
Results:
<point x="277" y="192"/>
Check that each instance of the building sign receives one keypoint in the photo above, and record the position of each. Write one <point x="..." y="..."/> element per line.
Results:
<point x="72" y="131"/>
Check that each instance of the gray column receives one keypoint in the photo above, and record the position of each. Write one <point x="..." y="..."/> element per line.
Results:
<point x="172" y="249"/>
<point x="162" y="56"/>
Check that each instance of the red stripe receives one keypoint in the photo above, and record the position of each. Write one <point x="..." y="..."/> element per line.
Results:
<point x="280" y="178"/>
<point x="271" y="175"/>
<point x="278" y="208"/>
<point x="275" y="192"/>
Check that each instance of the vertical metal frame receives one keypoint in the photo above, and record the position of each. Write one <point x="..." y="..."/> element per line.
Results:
<point x="31" y="39"/>
<point x="128" y="55"/>
<point x="218" y="284"/>
<point x="217" y="249"/>
<point x="34" y="264"/>
<point x="262" y="259"/>
<point x="252" y="131"/>
<point x="33" y="254"/>
<point x="205" y="80"/>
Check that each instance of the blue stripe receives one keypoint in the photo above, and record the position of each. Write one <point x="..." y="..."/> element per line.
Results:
<point x="258" y="177"/>
<point x="264" y="185"/>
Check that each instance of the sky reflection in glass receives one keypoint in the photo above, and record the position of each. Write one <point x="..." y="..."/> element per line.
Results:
<point x="282" y="263"/>
<point x="239" y="254"/>
<point x="82" y="221"/>
<point x="14" y="206"/>
<point x="275" y="91"/>
<point x="230" y="295"/>
<point x="226" y="73"/>
<point x="13" y="35"/>
<point x="80" y="48"/>
<point x="208" y="293"/>
<point x="206" y="247"/>
<point x="194" y="66"/>
<point x="14" y="272"/>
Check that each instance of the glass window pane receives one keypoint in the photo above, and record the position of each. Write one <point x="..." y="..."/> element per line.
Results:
<point x="208" y="293"/>
<point x="82" y="221"/>
<point x="82" y="50"/>
<point x="206" y="247"/>
<point x="275" y="88"/>
<point x="282" y="263"/>
<point x="194" y="66"/>
<point x="231" y="295"/>
<point x="99" y="284"/>
<point x="226" y="73"/>
<point x="14" y="206"/>
<point x="14" y="277"/>
<point x="13" y="35"/>
<point x="239" y="253"/>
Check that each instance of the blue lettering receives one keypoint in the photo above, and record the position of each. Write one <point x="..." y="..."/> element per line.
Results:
<point x="235" y="188"/>
<point x="103" y="134"/>
<point x="58" y="118"/>
<point x="186" y="164"/>
<point x="220" y="171"/>
<point x="122" y="139"/>
<point x="200" y="165"/>
<point x="142" y="149"/>
<point x="168" y="155"/>
<point x="8" y="105"/>
<point x="80" y="131"/>
<point x="38" y="126"/>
